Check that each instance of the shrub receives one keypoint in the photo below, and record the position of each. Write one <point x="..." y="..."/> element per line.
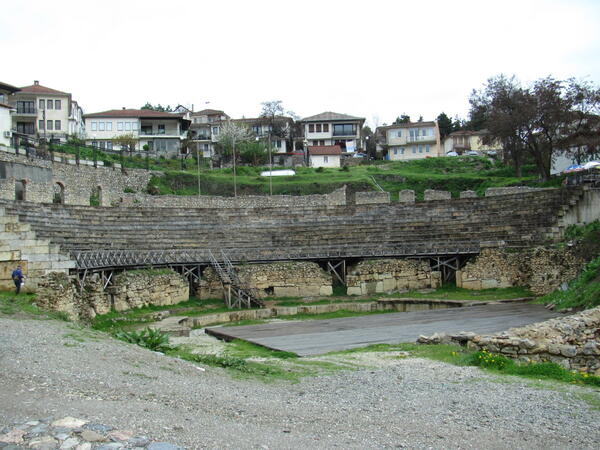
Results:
<point x="320" y="169"/>
<point x="489" y="360"/>
<point x="152" y="339"/>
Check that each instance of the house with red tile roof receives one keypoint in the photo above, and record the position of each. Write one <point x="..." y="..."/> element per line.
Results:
<point x="330" y="128"/>
<point x="44" y="112"/>
<point x="324" y="155"/>
<point x="161" y="131"/>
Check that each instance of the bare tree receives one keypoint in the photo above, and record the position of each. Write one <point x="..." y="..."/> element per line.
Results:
<point x="230" y="135"/>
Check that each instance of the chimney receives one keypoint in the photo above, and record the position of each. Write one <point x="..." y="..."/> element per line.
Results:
<point x="36" y="82"/>
<point x="123" y="108"/>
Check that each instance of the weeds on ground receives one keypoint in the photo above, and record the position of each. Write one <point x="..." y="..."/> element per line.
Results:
<point x="24" y="305"/>
<point x="149" y="338"/>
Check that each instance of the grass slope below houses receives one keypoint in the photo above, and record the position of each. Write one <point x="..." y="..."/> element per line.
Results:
<point x="451" y="174"/>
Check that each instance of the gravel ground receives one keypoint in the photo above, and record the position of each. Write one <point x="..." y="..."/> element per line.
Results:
<point x="51" y="368"/>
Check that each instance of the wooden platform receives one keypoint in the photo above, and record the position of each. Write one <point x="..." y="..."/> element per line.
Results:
<point x="313" y="337"/>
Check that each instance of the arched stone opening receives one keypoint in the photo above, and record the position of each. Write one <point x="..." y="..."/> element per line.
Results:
<point x="59" y="193"/>
<point x="21" y="190"/>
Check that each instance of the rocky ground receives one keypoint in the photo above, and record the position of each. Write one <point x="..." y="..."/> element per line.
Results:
<point x="53" y="370"/>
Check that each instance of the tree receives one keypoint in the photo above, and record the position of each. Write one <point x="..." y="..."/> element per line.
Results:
<point x="126" y="142"/>
<point x="371" y="145"/>
<point x="543" y="120"/>
<point x="445" y="125"/>
<point x="230" y="135"/>
<point x="253" y="153"/>
<point x="158" y="107"/>
<point x="402" y="119"/>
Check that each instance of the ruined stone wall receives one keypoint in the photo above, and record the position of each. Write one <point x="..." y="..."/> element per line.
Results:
<point x="406" y="196"/>
<point x="142" y="288"/>
<point x="571" y="341"/>
<point x="60" y="292"/>
<point x="367" y="198"/>
<point x="543" y="270"/>
<point x="390" y="275"/>
<point x="286" y="279"/>
<point x="431" y="194"/>
<point x="490" y="192"/>
<point x="336" y="198"/>
<point x="42" y="178"/>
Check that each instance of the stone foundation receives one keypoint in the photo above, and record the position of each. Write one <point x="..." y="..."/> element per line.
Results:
<point x="571" y="341"/>
<point x="59" y="292"/>
<point x="390" y="275"/>
<point x="541" y="269"/>
<point x="287" y="279"/>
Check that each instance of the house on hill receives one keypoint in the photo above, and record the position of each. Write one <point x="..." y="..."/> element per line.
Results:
<point x="44" y="112"/>
<point x="205" y="128"/>
<point x="331" y="129"/>
<point x="407" y="141"/>
<point x="464" y="141"/>
<point x="161" y="131"/>
<point x="325" y="155"/>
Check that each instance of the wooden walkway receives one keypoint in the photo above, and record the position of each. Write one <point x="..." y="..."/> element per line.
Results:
<point x="314" y="337"/>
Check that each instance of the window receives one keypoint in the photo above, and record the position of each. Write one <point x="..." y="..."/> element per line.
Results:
<point x="161" y="128"/>
<point x="311" y="128"/>
<point x="2" y="98"/>
<point x="134" y="126"/>
<point x="325" y="159"/>
<point x="420" y="149"/>
<point x="102" y="145"/>
<point x="318" y="128"/>
<point x="127" y="126"/>
<point x="315" y="143"/>
<point x="26" y="107"/>
<point x="215" y="131"/>
<point x="321" y="142"/>
<point x="94" y="144"/>
<point x="414" y="149"/>
<point x="100" y="126"/>
<point x="40" y="124"/>
<point x="257" y="129"/>
<point x="402" y="151"/>
<point x="49" y="124"/>
<point x="277" y="143"/>
<point x="49" y="104"/>
<point x="427" y="149"/>
<point x="325" y="128"/>
<point x="109" y="146"/>
<point x="42" y="104"/>
<point x="344" y="129"/>
<point x="94" y="126"/>
<point x="57" y="104"/>
<point x="399" y="133"/>
<point x="119" y="126"/>
<point x="108" y="126"/>
<point x="57" y="124"/>
<point x="395" y="151"/>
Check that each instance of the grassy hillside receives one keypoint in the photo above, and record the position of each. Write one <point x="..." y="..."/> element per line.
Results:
<point x="453" y="174"/>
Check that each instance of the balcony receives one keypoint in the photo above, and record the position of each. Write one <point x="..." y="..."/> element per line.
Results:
<point x="411" y="139"/>
<point x="24" y="110"/>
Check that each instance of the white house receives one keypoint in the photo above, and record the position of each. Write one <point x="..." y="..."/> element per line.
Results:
<point x="277" y="133"/>
<point x="205" y="127"/>
<point x="43" y="112"/>
<point x="470" y="141"/>
<point x="413" y="140"/>
<point x="325" y="155"/>
<point x="162" y="132"/>
<point x="329" y="128"/>
<point x="5" y="113"/>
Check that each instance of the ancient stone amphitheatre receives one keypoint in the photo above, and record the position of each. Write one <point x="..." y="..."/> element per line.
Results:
<point x="135" y="260"/>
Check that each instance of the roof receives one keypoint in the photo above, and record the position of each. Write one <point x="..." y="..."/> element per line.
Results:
<point x="316" y="150"/>
<point x="330" y="116"/>
<point x="135" y="113"/>
<point x="8" y="87"/>
<point x="37" y="88"/>
<point x="208" y="112"/>
<point x="468" y="133"/>
<point x="4" y="105"/>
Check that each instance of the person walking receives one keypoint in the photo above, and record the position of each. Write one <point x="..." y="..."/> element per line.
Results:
<point x="17" y="277"/>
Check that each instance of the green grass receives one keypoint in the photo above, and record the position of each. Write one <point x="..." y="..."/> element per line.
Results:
<point x="22" y="305"/>
<point x="449" y="292"/>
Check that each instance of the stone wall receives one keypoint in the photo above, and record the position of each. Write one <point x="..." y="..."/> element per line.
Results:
<point x="60" y="292"/>
<point x="406" y="196"/>
<point x="43" y="178"/>
<point x="468" y="194"/>
<point x="490" y="192"/>
<point x="366" y="198"/>
<point x="286" y="279"/>
<point x="431" y="194"/>
<point x="142" y="288"/>
<point x="336" y="198"/>
<point x="543" y="270"/>
<point x="21" y="246"/>
<point x="571" y="341"/>
<point x="390" y="275"/>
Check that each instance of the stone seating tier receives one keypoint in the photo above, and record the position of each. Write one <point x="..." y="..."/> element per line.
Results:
<point x="518" y="220"/>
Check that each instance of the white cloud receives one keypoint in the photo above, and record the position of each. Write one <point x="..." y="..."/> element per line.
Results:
<point x="372" y="58"/>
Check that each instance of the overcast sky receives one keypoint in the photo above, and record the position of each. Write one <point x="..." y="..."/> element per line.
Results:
<point x="374" y="59"/>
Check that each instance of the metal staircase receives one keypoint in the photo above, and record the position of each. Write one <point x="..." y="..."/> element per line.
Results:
<point x="237" y="293"/>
